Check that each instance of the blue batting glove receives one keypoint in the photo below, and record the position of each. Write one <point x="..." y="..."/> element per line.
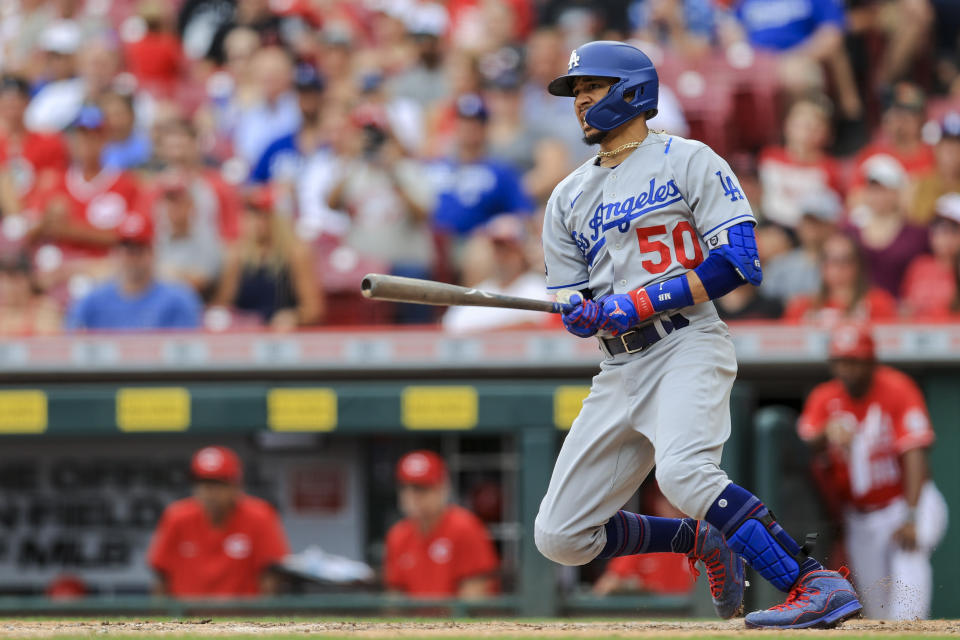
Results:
<point x="585" y="318"/>
<point x="620" y="312"/>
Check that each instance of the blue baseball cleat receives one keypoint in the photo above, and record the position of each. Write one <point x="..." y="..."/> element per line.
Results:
<point x="724" y="569"/>
<point x="821" y="599"/>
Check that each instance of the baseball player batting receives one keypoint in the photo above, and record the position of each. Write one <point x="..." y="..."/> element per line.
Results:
<point x="640" y="240"/>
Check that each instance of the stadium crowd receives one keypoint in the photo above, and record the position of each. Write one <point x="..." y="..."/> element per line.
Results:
<point x="227" y="164"/>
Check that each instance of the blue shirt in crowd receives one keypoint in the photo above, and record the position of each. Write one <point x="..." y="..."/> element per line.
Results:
<point x="784" y="24"/>
<point x="468" y="195"/>
<point x="164" y="305"/>
<point x="131" y="153"/>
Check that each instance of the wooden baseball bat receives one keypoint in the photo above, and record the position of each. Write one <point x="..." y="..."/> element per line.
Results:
<point x="399" y="289"/>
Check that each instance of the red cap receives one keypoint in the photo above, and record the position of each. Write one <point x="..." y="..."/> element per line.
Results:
<point x="136" y="228"/>
<point x="423" y="468"/>
<point x="852" y="341"/>
<point x="216" y="463"/>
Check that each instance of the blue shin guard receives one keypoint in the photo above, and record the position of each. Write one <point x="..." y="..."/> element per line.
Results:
<point x="766" y="555"/>
<point x="753" y="532"/>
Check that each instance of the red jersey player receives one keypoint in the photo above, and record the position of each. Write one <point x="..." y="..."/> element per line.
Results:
<point x="438" y="549"/>
<point x="220" y="542"/>
<point x="80" y="209"/>
<point x="872" y="423"/>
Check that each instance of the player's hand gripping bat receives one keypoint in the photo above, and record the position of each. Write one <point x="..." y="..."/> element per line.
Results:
<point x="398" y="289"/>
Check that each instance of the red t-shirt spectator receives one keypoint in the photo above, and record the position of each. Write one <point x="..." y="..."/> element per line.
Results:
<point x="436" y="563"/>
<point x="32" y="155"/>
<point x="916" y="164"/>
<point x="198" y="559"/>
<point x="102" y="203"/>
<point x="929" y="288"/>
<point x="876" y="305"/>
<point x="888" y="421"/>
<point x="787" y="182"/>
<point x="667" y="573"/>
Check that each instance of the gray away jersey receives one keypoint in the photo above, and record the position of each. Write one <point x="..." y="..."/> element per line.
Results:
<point x="648" y="219"/>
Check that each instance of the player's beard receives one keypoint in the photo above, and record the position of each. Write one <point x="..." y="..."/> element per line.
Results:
<point x="594" y="138"/>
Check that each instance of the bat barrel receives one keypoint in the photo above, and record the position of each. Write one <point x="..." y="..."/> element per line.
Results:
<point x="398" y="289"/>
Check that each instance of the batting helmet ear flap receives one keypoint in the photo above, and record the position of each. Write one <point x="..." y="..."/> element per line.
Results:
<point x="614" y="109"/>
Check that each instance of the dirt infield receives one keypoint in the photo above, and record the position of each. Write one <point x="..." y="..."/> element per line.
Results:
<point x="147" y="629"/>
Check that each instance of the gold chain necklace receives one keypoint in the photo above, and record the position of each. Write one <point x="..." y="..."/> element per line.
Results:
<point x="620" y="149"/>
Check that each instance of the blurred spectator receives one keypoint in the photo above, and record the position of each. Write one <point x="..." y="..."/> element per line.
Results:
<point x="472" y="187"/>
<point x="268" y="271"/>
<point x="684" y="27"/>
<point x="213" y="197"/>
<point x="659" y="573"/>
<point x="283" y="158"/>
<point x="438" y="549"/>
<point x="805" y="35"/>
<point x="425" y="80"/>
<point x="945" y="178"/>
<point x="797" y="272"/>
<point x="275" y="114"/>
<point x="60" y="95"/>
<point x="154" y="56"/>
<point x="871" y="423"/>
<point x="845" y="292"/>
<point x="81" y="209"/>
<point x="887" y="241"/>
<point x="26" y="310"/>
<point x="930" y="284"/>
<point x="220" y="541"/>
<point x="135" y="299"/>
<point x="511" y="275"/>
<point x="546" y="55"/>
<point x="128" y="147"/>
<point x="389" y="200"/>
<point x="900" y="133"/>
<point x="542" y="158"/>
<point x="187" y="247"/>
<point x="302" y="167"/>
<point x="24" y="154"/>
<point x="801" y="166"/>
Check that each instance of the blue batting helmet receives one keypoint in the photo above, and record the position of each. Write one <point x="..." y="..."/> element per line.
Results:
<point x="633" y="71"/>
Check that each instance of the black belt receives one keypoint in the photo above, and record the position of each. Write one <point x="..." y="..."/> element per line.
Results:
<point x="638" y="339"/>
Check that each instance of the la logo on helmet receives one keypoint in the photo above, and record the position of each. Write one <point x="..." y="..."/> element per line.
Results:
<point x="574" y="60"/>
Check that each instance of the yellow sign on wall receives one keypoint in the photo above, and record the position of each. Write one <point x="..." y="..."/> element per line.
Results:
<point x="153" y="409"/>
<point x="23" y="411"/>
<point x="302" y="409"/>
<point x="439" y="407"/>
<point x="567" y="402"/>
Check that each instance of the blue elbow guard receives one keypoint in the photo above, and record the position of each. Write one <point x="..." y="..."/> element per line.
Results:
<point x="731" y="264"/>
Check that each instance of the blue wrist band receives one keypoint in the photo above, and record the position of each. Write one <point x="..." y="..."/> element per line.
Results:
<point x="670" y="294"/>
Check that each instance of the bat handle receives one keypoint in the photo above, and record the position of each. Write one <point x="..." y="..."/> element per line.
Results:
<point x="562" y="307"/>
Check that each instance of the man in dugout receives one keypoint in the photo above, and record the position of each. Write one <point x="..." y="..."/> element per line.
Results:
<point x="439" y="549"/>
<point x="220" y="541"/>
<point x="870" y="431"/>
